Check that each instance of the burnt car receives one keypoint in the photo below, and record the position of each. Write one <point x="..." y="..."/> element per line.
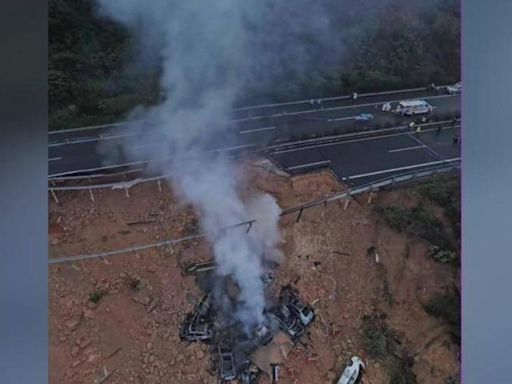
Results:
<point x="287" y="321"/>
<point x="291" y="299"/>
<point x="302" y="310"/>
<point x="250" y="373"/>
<point x="226" y="363"/>
<point x="197" y="325"/>
<point x="263" y="334"/>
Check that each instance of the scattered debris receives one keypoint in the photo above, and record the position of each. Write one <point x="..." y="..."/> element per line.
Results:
<point x="148" y="221"/>
<point x="196" y="326"/>
<point x="364" y="117"/>
<point x="275" y="373"/>
<point x="233" y="345"/>
<point x="200" y="267"/>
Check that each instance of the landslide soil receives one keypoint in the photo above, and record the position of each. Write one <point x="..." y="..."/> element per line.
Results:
<point x="116" y="320"/>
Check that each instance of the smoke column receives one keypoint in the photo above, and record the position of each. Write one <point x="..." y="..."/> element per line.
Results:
<point x="211" y="51"/>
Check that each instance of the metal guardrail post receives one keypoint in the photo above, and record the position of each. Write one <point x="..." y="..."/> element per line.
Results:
<point x="159" y="185"/>
<point x="300" y="214"/>
<point x="54" y="196"/>
<point x="370" y="195"/>
<point x="91" y="195"/>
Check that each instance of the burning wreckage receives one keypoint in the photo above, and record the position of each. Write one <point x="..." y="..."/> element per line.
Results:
<point x="232" y="345"/>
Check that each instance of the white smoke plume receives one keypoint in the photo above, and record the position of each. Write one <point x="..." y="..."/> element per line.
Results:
<point x="210" y="52"/>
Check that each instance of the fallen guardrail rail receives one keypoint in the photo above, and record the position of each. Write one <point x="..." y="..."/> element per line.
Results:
<point x="370" y="187"/>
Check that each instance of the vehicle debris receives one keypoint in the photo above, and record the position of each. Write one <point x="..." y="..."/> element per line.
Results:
<point x="232" y="344"/>
<point x="353" y="372"/>
<point x="197" y="326"/>
<point x="275" y="373"/>
<point x="227" y="368"/>
<point x="200" y="267"/>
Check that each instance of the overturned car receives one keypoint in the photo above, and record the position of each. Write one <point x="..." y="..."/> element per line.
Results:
<point x="197" y="325"/>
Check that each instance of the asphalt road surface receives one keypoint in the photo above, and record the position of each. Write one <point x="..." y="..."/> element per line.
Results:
<point x="77" y="150"/>
<point x="361" y="161"/>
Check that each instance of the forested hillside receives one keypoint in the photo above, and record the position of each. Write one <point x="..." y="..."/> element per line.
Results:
<point x="392" y="44"/>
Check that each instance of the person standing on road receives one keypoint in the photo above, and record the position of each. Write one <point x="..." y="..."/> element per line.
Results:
<point x="438" y="130"/>
<point x="455" y="139"/>
<point x="418" y="130"/>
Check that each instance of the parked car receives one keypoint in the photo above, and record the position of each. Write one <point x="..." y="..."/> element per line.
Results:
<point x="454" y="89"/>
<point x="353" y="372"/>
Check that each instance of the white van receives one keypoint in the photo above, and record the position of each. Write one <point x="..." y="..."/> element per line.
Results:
<point x="413" y="107"/>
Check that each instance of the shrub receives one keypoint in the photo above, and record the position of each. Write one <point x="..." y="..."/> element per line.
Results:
<point x="378" y="340"/>
<point x="446" y="308"/>
<point x="382" y="343"/>
<point x="96" y="296"/>
<point x="446" y="193"/>
<point x="419" y="223"/>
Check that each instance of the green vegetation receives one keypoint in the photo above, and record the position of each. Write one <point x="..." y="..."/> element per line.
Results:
<point x="409" y="45"/>
<point x="445" y="191"/>
<point x="384" y="290"/>
<point x="447" y="308"/>
<point x="384" y="344"/>
<point x="419" y="223"/>
<point x="390" y="45"/>
<point x="95" y="296"/>
<point x="87" y="54"/>
<point x="379" y="341"/>
<point x="134" y="283"/>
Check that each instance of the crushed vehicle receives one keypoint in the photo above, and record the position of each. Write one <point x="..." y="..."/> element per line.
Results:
<point x="263" y="334"/>
<point x="275" y="373"/>
<point x="291" y="299"/>
<point x="250" y="373"/>
<point x="287" y="321"/>
<point x="226" y="363"/>
<point x="353" y="372"/>
<point x="302" y="310"/>
<point x="197" y="325"/>
<point x="292" y="315"/>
